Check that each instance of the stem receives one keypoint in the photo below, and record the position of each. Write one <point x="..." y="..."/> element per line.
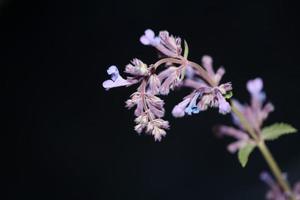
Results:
<point x="244" y="122"/>
<point x="275" y="170"/>
<point x="283" y="183"/>
<point x="202" y="73"/>
<point x="165" y="60"/>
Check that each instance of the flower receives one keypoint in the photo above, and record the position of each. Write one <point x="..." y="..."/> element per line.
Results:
<point x="207" y="63"/>
<point x="137" y="68"/>
<point x="116" y="79"/>
<point x="156" y="128"/>
<point x="242" y="138"/>
<point x="154" y="84"/>
<point x="149" y="111"/>
<point x="192" y="106"/>
<point x="179" y="109"/>
<point x="149" y="38"/>
<point x="255" y="113"/>
<point x="255" y="87"/>
<point x="166" y="44"/>
<point x="170" y="78"/>
<point x="171" y="43"/>
<point x="275" y="192"/>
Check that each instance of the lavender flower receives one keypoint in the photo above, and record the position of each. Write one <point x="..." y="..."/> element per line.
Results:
<point x="149" y="38"/>
<point x="242" y="138"/>
<point x="148" y="108"/>
<point x="166" y="44"/>
<point x="116" y="79"/>
<point x="170" y="79"/>
<point x="204" y="95"/>
<point x="275" y="192"/>
<point x="255" y="114"/>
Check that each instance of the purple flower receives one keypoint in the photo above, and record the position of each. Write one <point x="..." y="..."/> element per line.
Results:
<point x="192" y="108"/>
<point x="242" y="138"/>
<point x="255" y="113"/>
<point x="116" y="79"/>
<point x="154" y="84"/>
<point x="149" y="38"/>
<point x="207" y="63"/>
<point x="255" y="89"/>
<point x="166" y="44"/>
<point x="137" y="68"/>
<point x="275" y="192"/>
<point x="170" y="43"/>
<point x="224" y="106"/>
<point x="149" y="110"/>
<point x="170" y="79"/>
<point x="179" y="109"/>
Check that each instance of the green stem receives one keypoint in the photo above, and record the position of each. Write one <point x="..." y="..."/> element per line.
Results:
<point x="275" y="169"/>
<point x="265" y="152"/>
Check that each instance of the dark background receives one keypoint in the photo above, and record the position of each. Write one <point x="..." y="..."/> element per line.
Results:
<point x="70" y="139"/>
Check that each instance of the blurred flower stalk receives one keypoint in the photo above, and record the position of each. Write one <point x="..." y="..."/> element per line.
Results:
<point x="173" y="71"/>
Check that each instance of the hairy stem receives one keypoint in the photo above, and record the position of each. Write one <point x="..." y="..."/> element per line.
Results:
<point x="266" y="153"/>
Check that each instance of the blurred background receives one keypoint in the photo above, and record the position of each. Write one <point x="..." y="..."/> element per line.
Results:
<point x="71" y="139"/>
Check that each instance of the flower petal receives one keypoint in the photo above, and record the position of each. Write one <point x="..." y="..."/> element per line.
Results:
<point x="116" y="79"/>
<point x="192" y="107"/>
<point x="149" y="34"/>
<point x="144" y="40"/>
<point x="178" y="110"/>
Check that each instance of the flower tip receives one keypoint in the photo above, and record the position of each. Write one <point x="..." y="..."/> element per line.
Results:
<point x="149" y="33"/>
<point x="207" y="59"/>
<point x="255" y="86"/>
<point x="144" y="40"/>
<point x="178" y="112"/>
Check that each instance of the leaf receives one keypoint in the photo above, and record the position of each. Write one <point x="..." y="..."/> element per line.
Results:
<point x="244" y="153"/>
<point x="186" y="50"/>
<point x="276" y="130"/>
<point x="228" y="95"/>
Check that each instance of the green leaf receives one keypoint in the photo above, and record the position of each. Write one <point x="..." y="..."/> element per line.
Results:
<point x="186" y="50"/>
<point x="228" y="95"/>
<point x="276" y="130"/>
<point x="244" y="153"/>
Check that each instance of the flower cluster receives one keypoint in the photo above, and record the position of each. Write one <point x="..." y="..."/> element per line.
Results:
<point x="275" y="192"/>
<point x="254" y="114"/>
<point x="204" y="95"/>
<point x="177" y="72"/>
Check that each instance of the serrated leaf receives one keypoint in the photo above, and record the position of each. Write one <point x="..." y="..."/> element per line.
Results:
<point x="186" y="50"/>
<point x="276" y="130"/>
<point x="244" y="153"/>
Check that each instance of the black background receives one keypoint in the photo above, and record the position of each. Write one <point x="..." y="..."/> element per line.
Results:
<point x="71" y="139"/>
